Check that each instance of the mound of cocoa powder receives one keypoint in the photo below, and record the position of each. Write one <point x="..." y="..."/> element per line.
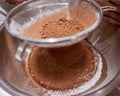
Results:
<point x="61" y="68"/>
<point x="60" y="28"/>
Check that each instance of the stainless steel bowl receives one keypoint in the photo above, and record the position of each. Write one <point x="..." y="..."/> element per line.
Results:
<point x="14" y="80"/>
<point x="13" y="77"/>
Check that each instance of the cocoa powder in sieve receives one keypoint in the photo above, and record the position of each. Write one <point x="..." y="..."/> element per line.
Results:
<point x="61" y="23"/>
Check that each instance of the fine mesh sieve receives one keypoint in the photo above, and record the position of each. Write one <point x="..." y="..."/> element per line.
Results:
<point x="22" y="17"/>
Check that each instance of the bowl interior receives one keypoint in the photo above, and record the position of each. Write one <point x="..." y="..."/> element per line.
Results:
<point x="15" y="80"/>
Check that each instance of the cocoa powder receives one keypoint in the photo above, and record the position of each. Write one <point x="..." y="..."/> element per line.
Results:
<point x="60" y="28"/>
<point x="58" y="24"/>
<point x="61" y="68"/>
<point x="65" y="67"/>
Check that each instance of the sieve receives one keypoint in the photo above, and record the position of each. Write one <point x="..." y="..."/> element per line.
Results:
<point x="17" y="18"/>
<point x="30" y="11"/>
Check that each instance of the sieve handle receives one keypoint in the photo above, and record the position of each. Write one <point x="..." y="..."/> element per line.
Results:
<point x="23" y="52"/>
<point x="109" y="8"/>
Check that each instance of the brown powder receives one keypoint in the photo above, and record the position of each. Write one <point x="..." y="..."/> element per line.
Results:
<point x="60" y="28"/>
<point x="58" y="24"/>
<point x="61" y="68"/>
<point x="65" y="67"/>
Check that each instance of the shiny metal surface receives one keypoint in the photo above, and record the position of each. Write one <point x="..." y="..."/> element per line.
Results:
<point x="4" y="9"/>
<point x="109" y="46"/>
